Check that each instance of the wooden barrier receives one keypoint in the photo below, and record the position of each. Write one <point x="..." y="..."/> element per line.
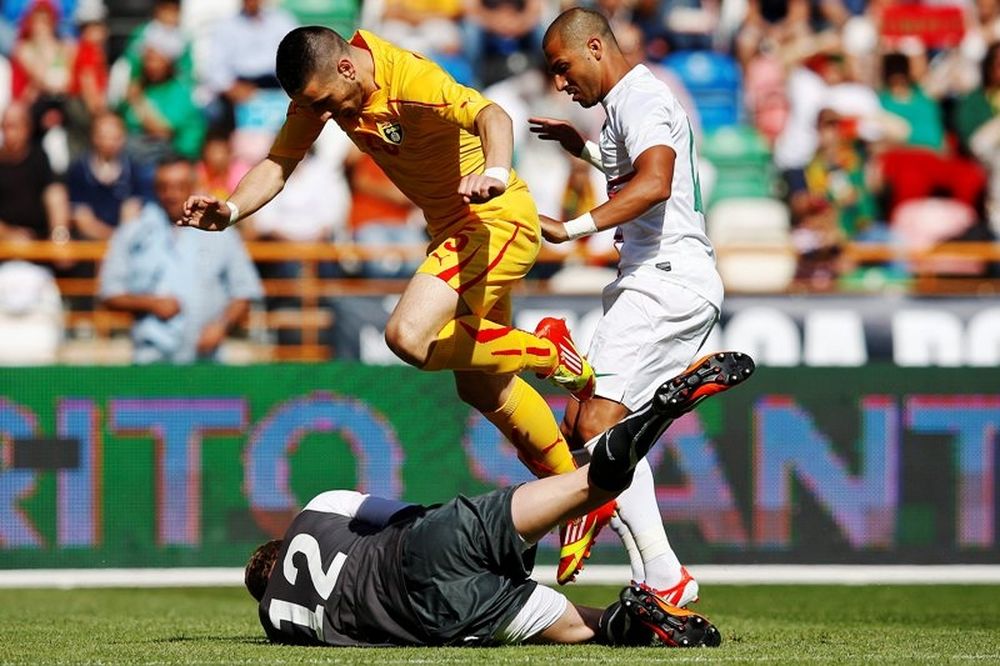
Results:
<point x="309" y="318"/>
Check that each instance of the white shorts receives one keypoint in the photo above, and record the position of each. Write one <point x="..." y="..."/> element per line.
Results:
<point x="542" y="609"/>
<point x="651" y="330"/>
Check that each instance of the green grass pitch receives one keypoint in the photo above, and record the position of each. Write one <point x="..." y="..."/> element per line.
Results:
<point x="773" y="624"/>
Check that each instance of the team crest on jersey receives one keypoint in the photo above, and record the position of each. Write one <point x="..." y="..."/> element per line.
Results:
<point x="393" y="132"/>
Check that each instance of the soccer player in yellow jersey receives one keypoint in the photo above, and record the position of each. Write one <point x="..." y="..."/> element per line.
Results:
<point x="449" y="150"/>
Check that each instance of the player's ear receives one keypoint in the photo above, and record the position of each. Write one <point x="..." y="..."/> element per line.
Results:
<point x="346" y="68"/>
<point x="596" y="47"/>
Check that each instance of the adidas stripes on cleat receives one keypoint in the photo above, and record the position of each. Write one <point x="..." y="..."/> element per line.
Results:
<point x="673" y="626"/>
<point x="572" y="372"/>
<point x="576" y="538"/>
<point x="712" y="374"/>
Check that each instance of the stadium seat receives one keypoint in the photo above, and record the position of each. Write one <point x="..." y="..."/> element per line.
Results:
<point x="713" y="79"/>
<point x="742" y="160"/>
<point x="923" y="223"/>
<point x="752" y="239"/>
<point x="31" y="315"/>
<point x="341" y="15"/>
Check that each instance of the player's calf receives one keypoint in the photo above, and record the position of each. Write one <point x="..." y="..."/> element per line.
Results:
<point x="620" y="448"/>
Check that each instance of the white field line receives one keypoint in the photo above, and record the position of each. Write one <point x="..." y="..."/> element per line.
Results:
<point x="975" y="574"/>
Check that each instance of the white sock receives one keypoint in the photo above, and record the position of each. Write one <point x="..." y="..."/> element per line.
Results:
<point x="639" y="511"/>
<point x="634" y="556"/>
<point x="640" y="528"/>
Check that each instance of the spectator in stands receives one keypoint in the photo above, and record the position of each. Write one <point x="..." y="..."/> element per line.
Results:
<point x="382" y="215"/>
<point x="503" y="37"/>
<point x="159" y="109"/>
<point x="978" y="126"/>
<point x="904" y="97"/>
<point x="186" y="289"/>
<point x="43" y="61"/>
<point x="982" y="104"/>
<point x="243" y="48"/>
<point x="302" y="212"/>
<point x="14" y="10"/>
<point x="33" y="204"/>
<point x="106" y="186"/>
<point x="166" y="18"/>
<point x="835" y="178"/>
<point x="219" y="170"/>
<point x="423" y="26"/>
<point x="89" y="78"/>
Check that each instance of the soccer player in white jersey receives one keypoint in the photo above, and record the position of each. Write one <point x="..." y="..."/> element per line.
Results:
<point x="666" y="299"/>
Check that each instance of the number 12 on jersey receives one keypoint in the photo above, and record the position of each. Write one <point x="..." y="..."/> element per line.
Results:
<point x="322" y="581"/>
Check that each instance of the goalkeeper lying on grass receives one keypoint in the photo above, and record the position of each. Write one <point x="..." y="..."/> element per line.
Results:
<point x="360" y="570"/>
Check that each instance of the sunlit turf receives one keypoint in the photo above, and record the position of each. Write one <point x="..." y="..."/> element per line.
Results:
<point x="779" y="624"/>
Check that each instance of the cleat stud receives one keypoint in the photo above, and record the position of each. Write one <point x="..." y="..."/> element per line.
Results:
<point x="721" y="356"/>
<point x="734" y="378"/>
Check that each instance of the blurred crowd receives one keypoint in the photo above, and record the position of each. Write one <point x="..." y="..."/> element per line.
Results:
<point x="819" y="122"/>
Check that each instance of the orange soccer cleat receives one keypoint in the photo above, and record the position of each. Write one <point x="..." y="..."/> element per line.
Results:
<point x="573" y="372"/>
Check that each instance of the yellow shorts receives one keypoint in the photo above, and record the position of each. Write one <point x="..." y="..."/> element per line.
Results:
<point x="482" y="260"/>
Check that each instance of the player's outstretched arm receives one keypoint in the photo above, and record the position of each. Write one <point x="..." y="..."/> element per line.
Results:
<point x="553" y="129"/>
<point x="261" y="184"/>
<point x="654" y="173"/>
<point x="496" y="132"/>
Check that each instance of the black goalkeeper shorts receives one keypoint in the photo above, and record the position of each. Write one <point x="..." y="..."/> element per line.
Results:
<point x="466" y="569"/>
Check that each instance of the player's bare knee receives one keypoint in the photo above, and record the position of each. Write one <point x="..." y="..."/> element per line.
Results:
<point x="404" y="343"/>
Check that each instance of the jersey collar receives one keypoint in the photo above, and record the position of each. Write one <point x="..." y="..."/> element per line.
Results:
<point x="618" y="89"/>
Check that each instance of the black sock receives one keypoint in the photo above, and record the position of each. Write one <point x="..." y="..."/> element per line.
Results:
<point x="621" y="448"/>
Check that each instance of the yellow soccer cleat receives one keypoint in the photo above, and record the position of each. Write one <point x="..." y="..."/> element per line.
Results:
<point x="577" y="538"/>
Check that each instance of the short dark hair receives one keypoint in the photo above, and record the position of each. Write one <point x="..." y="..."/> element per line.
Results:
<point x="576" y="25"/>
<point x="170" y="159"/>
<point x="895" y="64"/>
<point x="259" y="566"/>
<point x="303" y="52"/>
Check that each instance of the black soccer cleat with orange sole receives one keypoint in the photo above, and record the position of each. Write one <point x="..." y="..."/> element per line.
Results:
<point x="712" y="374"/>
<point x="673" y="626"/>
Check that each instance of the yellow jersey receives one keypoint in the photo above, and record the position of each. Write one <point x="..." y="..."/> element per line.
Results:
<point x="419" y="127"/>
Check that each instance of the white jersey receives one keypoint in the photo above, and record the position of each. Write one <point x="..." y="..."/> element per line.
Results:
<point x="670" y="237"/>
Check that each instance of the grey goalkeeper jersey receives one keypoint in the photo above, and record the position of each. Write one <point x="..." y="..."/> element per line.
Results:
<point x="338" y="580"/>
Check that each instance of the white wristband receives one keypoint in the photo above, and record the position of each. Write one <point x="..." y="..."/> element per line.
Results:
<point x="580" y="226"/>
<point x="234" y="212"/>
<point x="500" y="173"/>
<point x="592" y="153"/>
